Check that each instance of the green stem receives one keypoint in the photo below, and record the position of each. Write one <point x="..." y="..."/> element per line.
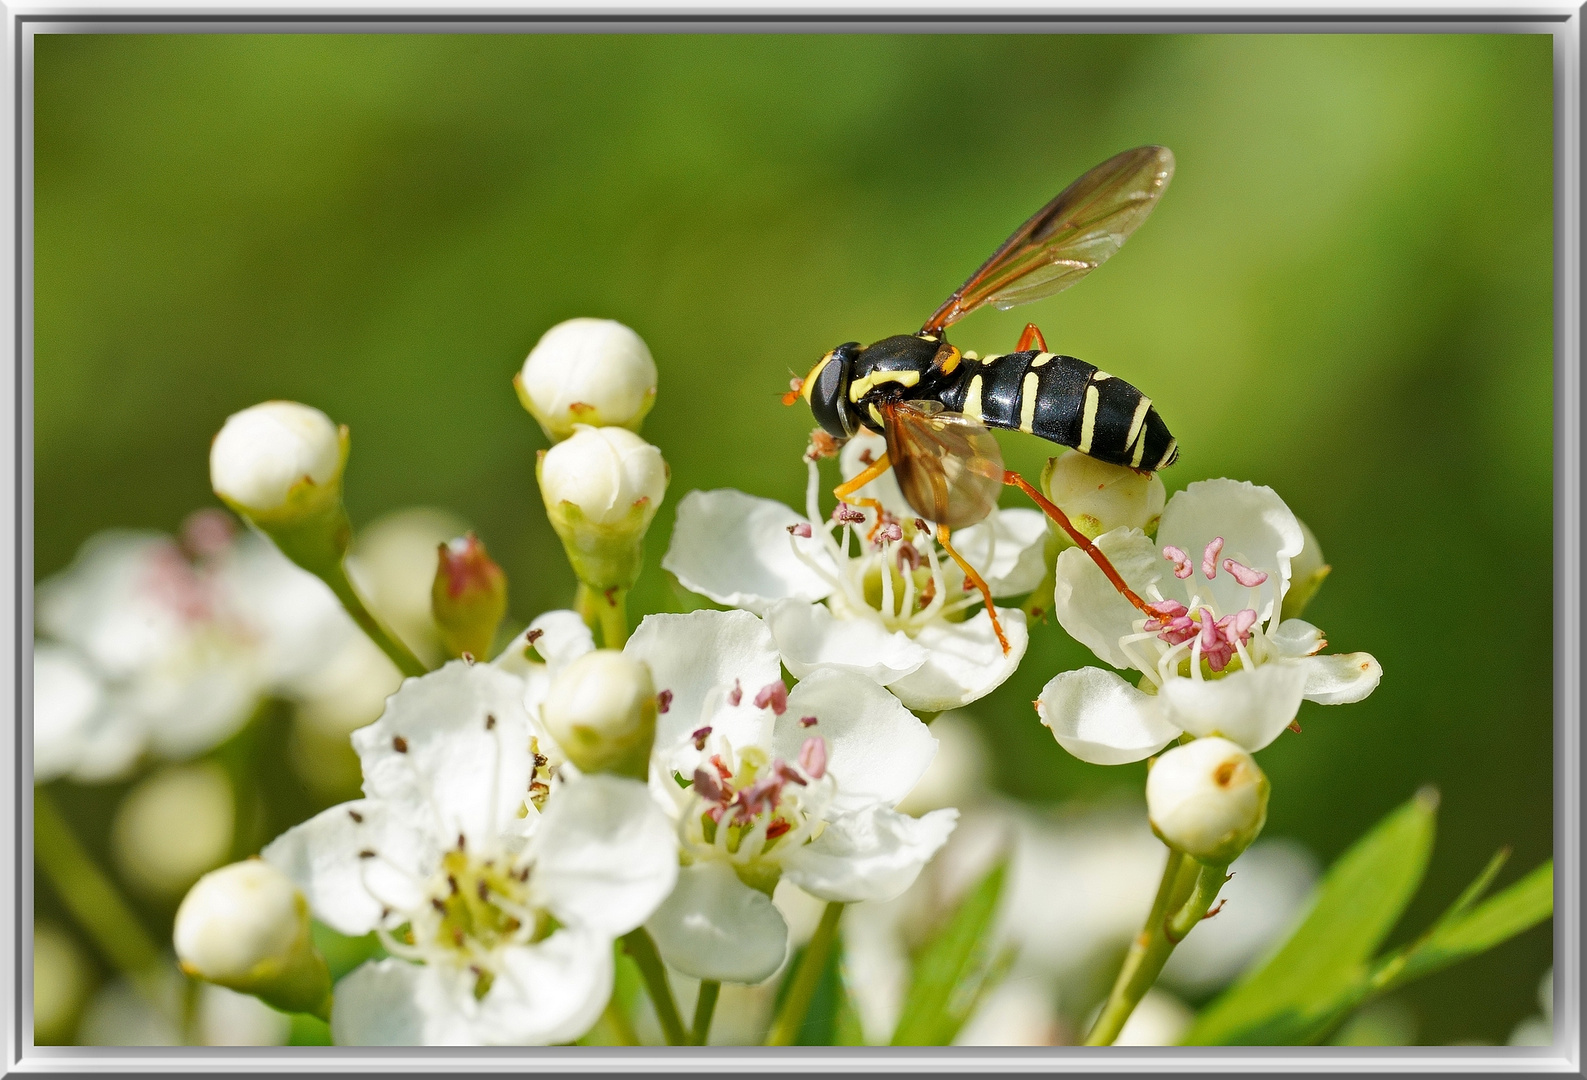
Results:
<point x="1208" y="882"/>
<point x="803" y="988"/>
<point x="88" y="894"/>
<point x="704" y="1009"/>
<point x="399" y="653"/>
<point x="617" y="1020"/>
<point x="613" y="606"/>
<point x="1148" y="952"/>
<point x="642" y="948"/>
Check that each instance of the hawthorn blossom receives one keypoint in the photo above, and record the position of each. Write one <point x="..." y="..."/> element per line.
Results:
<point x="878" y="598"/>
<point x="766" y="783"/>
<point x="151" y="643"/>
<point x="1215" y="658"/>
<point x="499" y="916"/>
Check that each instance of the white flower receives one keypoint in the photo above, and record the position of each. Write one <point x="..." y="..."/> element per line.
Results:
<point x="798" y="784"/>
<point x="499" y="918"/>
<point x="272" y="451"/>
<point x="1215" y="658"/>
<point x="609" y="474"/>
<point x="1207" y="799"/>
<point x="237" y="918"/>
<point x="587" y="371"/>
<point x="885" y="603"/>
<point x="166" y="647"/>
<point x="602" y="711"/>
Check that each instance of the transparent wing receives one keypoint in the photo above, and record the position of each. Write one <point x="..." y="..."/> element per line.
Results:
<point x="949" y="466"/>
<point x="1068" y="238"/>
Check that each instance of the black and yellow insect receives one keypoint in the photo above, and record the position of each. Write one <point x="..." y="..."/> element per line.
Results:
<point x="933" y="403"/>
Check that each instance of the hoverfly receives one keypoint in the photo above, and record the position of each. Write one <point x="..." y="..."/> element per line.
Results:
<point x="933" y="404"/>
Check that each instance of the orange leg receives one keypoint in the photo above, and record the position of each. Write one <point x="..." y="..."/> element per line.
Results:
<point x="1082" y="541"/>
<point x="846" y="490"/>
<point x="1031" y="337"/>
<point x="974" y="579"/>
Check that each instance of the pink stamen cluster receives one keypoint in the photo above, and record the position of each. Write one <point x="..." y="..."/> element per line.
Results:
<point x="744" y="805"/>
<point x="773" y="695"/>
<point x="1219" y="637"/>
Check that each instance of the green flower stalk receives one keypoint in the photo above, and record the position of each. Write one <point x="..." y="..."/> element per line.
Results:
<point x="279" y="466"/>
<point x="246" y="927"/>
<point x="469" y="597"/>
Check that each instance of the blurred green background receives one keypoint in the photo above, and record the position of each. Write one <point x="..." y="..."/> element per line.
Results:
<point x="1346" y="294"/>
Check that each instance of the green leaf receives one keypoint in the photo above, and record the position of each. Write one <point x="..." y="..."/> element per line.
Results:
<point x="1462" y="933"/>
<point x="308" y="1031"/>
<point x="823" y="1019"/>
<point x="1320" y="973"/>
<point x="951" y="968"/>
<point x="342" y="953"/>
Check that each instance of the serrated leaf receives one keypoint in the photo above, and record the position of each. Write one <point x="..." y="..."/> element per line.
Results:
<point x="950" y="966"/>
<point x="1469" y="932"/>
<point x="1321" y="971"/>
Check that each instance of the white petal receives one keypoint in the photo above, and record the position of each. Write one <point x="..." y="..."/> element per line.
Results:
<point x="1008" y="549"/>
<point x="713" y="926"/>
<point x="113" y="744"/>
<point x="1258" y="531"/>
<point x="1100" y="718"/>
<point x="1087" y="605"/>
<point x="1293" y="639"/>
<point x="453" y="746"/>
<point x="346" y="889"/>
<point x="113" y="602"/>
<point x="697" y="657"/>
<point x="876" y="748"/>
<point x="1250" y="708"/>
<point x="297" y="619"/>
<point x="809" y="636"/>
<point x="874" y="854"/>
<point x="394" y="1003"/>
<point x="884" y="489"/>
<point x="964" y="661"/>
<point x="67" y="699"/>
<point x="736" y="549"/>
<point x="560" y="637"/>
<point x="605" y="854"/>
<point x="1340" y="678"/>
<point x="549" y="992"/>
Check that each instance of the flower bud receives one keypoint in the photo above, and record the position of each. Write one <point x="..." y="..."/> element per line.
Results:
<point x="469" y="597"/>
<point x="278" y="459"/>
<point x="1208" y="799"/>
<point x="601" y="710"/>
<point x="1307" y="572"/>
<point x="587" y="371"/>
<point x="246" y="927"/>
<point x="601" y="489"/>
<point x="1099" y="497"/>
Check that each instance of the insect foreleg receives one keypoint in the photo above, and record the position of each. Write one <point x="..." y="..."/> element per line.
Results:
<point x="1031" y="339"/>
<point x="974" y="579"/>
<point x="845" y="491"/>
<point x="1082" y="541"/>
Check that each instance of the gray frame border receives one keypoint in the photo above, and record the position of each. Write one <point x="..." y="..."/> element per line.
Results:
<point x="26" y="19"/>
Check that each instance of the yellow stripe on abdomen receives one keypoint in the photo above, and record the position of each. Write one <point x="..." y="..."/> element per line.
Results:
<point x="972" y="398"/>
<point x="1088" y="422"/>
<point x="1027" y="401"/>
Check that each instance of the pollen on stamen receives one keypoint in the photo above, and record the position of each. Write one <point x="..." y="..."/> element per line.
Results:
<point x="735" y="695"/>
<point x="664" y="701"/>
<point x="807" y="721"/>
<point x="1180" y="560"/>
<point x="1244" y="574"/>
<point x="700" y="735"/>
<point x="892" y="532"/>
<point x="847" y="515"/>
<point x="1209" y="558"/>
<point x="802" y="530"/>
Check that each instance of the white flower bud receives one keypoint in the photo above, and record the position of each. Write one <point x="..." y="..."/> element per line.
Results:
<point x="587" y="371"/>
<point x="1208" y="799"/>
<point x="601" y="489"/>
<point x="277" y="457"/>
<point x="601" y="710"/>
<point x="246" y="926"/>
<point x="1099" y="497"/>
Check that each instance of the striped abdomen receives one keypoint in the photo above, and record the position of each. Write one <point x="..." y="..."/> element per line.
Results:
<point x="1066" y="401"/>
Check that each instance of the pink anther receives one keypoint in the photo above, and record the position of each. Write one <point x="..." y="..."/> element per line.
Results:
<point x="1244" y="574"/>
<point x="802" y="529"/>
<point x="788" y="772"/>
<point x="706" y="785"/>
<point x="891" y="533"/>
<point x="735" y="695"/>
<point x="773" y="694"/>
<point x="908" y="557"/>
<point x="664" y="701"/>
<point x="1238" y="626"/>
<point x="1180" y="560"/>
<point x="1215" y="648"/>
<point x="1173" y="609"/>
<point x="700" y="735"/>
<point x="845" y="514"/>
<point x="920" y="523"/>
<point x="807" y="721"/>
<point x="1175" y="631"/>
<point x="1209" y="558"/>
<point x="813" y="757"/>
